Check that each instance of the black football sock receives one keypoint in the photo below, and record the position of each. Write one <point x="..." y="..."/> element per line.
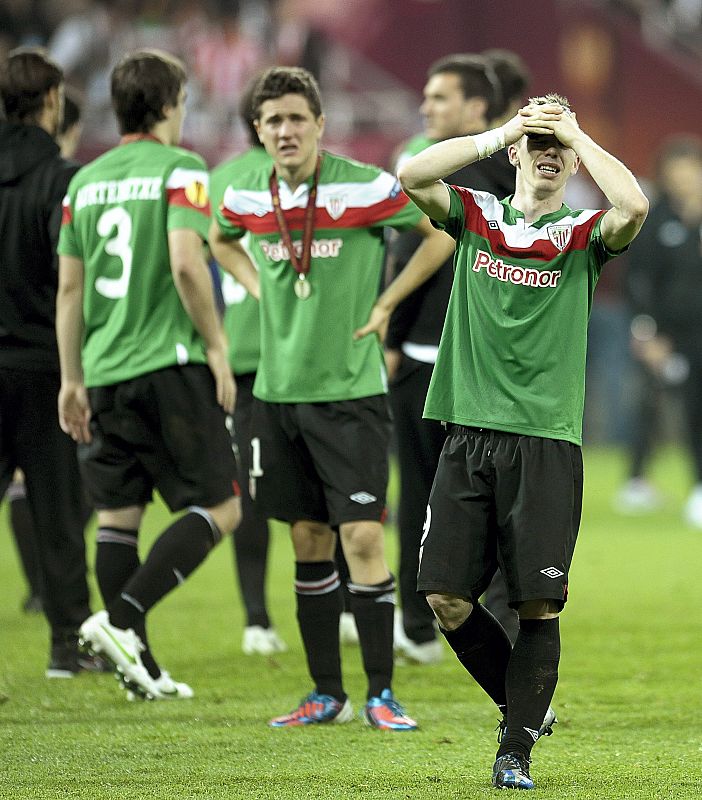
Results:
<point x="373" y="609"/>
<point x="531" y="681"/>
<point x="343" y="570"/>
<point x="22" y="526"/>
<point x="250" y="542"/>
<point x="318" y="594"/>
<point x="484" y="649"/>
<point x="116" y="560"/>
<point x="179" y="550"/>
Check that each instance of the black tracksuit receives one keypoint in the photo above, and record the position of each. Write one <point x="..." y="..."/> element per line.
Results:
<point x="664" y="280"/>
<point x="33" y="181"/>
<point x="419" y="320"/>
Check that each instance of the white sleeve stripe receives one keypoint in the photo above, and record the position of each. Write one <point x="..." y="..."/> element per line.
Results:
<point x="180" y="178"/>
<point x="356" y="194"/>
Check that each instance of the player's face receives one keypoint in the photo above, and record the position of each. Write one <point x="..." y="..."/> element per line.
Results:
<point x="544" y="163"/>
<point x="290" y="132"/>
<point x="447" y="112"/>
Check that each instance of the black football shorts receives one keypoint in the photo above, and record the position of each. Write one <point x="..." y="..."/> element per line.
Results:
<point x="326" y="462"/>
<point x="162" y="430"/>
<point x="507" y="500"/>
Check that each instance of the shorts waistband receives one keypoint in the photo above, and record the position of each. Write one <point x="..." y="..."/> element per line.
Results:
<point x="451" y="427"/>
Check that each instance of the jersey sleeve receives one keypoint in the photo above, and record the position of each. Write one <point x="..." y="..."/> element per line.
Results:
<point x="230" y="221"/>
<point x="456" y="221"/>
<point x="67" y="242"/>
<point x="392" y="208"/>
<point x="187" y="193"/>
<point x="602" y="253"/>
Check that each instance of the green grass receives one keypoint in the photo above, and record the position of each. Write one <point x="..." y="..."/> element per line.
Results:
<point x="628" y="698"/>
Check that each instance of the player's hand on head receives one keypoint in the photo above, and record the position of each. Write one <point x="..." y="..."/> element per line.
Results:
<point x="545" y="119"/>
<point x="74" y="411"/>
<point x="566" y="128"/>
<point x="514" y="128"/>
<point x="222" y="374"/>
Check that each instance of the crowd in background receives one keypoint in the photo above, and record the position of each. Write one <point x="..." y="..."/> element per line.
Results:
<point x="224" y="42"/>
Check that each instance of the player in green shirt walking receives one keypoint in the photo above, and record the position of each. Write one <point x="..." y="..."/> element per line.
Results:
<point x="509" y="383"/>
<point x="137" y="325"/>
<point x="321" y="424"/>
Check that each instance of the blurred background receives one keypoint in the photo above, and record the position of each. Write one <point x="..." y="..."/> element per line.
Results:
<point x="631" y="68"/>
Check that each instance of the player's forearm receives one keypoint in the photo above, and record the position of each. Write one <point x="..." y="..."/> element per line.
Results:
<point x="232" y="257"/>
<point x="194" y="287"/>
<point x="615" y="180"/>
<point x="436" y="162"/>
<point x="69" y="330"/>
<point x="434" y="251"/>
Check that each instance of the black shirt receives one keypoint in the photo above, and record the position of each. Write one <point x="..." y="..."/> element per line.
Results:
<point x="419" y="318"/>
<point x="33" y="181"/>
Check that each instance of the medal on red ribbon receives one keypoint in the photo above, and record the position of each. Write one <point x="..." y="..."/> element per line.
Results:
<point x="301" y="265"/>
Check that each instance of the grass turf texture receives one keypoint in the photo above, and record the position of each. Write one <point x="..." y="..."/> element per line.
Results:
<point x="628" y="698"/>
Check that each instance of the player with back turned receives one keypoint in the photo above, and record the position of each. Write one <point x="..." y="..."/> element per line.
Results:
<point x="146" y="384"/>
<point x="509" y="383"/>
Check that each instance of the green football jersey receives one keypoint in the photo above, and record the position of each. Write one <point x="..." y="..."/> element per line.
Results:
<point x="308" y="353"/>
<point x="116" y="218"/>
<point x="512" y="352"/>
<point x="241" y="316"/>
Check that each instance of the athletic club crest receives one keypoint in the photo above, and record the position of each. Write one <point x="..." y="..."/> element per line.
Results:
<point x="560" y="235"/>
<point x="335" y="205"/>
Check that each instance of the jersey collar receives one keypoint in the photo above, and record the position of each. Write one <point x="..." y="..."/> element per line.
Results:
<point x="512" y="214"/>
<point x="128" y="138"/>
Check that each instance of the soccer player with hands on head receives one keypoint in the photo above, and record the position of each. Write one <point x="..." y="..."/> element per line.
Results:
<point x="509" y="384"/>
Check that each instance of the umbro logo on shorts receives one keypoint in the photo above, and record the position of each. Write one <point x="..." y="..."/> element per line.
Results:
<point x="363" y="498"/>
<point x="552" y="572"/>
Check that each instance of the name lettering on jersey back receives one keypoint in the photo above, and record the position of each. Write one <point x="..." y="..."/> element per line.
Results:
<point x="524" y="276"/>
<point x="321" y="248"/>
<point x="115" y="192"/>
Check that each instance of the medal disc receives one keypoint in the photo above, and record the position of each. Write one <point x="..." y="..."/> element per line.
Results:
<point x="302" y="288"/>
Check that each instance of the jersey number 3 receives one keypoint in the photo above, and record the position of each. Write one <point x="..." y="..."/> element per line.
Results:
<point x="119" y="219"/>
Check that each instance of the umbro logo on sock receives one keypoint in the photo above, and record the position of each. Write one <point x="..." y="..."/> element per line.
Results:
<point x="363" y="498"/>
<point x="534" y="734"/>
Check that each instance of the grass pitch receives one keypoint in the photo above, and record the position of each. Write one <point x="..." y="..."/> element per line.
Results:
<point x="628" y="699"/>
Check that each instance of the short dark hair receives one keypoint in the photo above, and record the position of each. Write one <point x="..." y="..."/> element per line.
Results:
<point x="26" y="75"/>
<point x="142" y="84"/>
<point x="512" y="73"/>
<point x="476" y="75"/>
<point x="278" y="81"/>
<point x="246" y="111"/>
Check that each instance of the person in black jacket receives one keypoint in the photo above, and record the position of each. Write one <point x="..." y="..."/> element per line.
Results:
<point x="664" y="286"/>
<point x="464" y="94"/>
<point x="33" y="180"/>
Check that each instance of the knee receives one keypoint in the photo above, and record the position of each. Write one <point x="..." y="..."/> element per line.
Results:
<point x="226" y="515"/>
<point x="363" y="541"/>
<point x="539" y="609"/>
<point x="312" y="541"/>
<point x="451" y="611"/>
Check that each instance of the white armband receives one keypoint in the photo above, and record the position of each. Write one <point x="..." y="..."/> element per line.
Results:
<point x="489" y="142"/>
